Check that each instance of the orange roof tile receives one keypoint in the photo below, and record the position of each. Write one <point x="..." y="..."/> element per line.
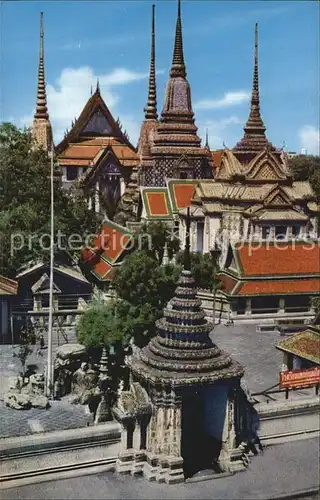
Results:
<point x="183" y="194"/>
<point x="74" y="163"/>
<point x="279" y="259"/>
<point x="228" y="283"/>
<point x="280" y="287"/>
<point x="216" y="158"/>
<point x="80" y="151"/>
<point x="157" y="202"/>
<point x="112" y="240"/>
<point x="102" y="269"/>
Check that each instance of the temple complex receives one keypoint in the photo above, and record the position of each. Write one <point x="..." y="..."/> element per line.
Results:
<point x="182" y="413"/>
<point x="41" y="128"/>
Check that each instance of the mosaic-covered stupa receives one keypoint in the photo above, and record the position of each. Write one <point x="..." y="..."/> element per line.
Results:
<point x="181" y="413"/>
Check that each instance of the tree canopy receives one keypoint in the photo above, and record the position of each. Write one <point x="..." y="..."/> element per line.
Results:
<point x="25" y="203"/>
<point x="307" y="167"/>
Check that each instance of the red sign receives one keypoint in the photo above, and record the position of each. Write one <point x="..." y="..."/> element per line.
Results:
<point x="300" y="378"/>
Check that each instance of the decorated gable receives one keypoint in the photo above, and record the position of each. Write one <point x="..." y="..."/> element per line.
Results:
<point x="43" y="285"/>
<point x="97" y="124"/>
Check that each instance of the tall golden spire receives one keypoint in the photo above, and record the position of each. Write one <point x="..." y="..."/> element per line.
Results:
<point x="41" y="130"/>
<point x="255" y="123"/>
<point x="150" y="109"/>
<point x="178" y="67"/>
<point x="41" y="109"/>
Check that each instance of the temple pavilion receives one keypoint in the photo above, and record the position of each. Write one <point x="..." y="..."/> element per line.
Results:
<point x="182" y="413"/>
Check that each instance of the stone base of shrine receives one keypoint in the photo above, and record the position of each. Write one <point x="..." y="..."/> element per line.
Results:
<point x="164" y="469"/>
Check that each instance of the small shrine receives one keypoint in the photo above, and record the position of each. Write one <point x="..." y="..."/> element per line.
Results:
<point x="181" y="414"/>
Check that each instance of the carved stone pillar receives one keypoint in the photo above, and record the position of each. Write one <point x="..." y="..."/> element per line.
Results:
<point x="248" y="307"/>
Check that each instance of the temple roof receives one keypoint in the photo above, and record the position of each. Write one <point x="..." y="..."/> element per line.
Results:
<point x="266" y="268"/>
<point x="8" y="286"/>
<point x="304" y="344"/>
<point x="106" y="250"/>
<point x="267" y="258"/>
<point x="94" y="121"/>
<point x="182" y="352"/>
<point x="164" y="202"/>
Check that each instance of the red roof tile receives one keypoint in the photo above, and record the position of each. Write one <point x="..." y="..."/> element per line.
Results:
<point x="112" y="240"/>
<point x="183" y="194"/>
<point x="257" y="287"/>
<point x="228" y="283"/>
<point x="102" y="269"/>
<point x="157" y="202"/>
<point x="279" y="259"/>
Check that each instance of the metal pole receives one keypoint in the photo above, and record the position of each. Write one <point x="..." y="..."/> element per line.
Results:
<point x="49" y="362"/>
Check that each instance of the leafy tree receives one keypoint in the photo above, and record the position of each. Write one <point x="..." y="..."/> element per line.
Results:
<point x="307" y="167"/>
<point x="152" y="238"/>
<point x="141" y="279"/>
<point x="204" y="269"/>
<point x="102" y="325"/>
<point x="25" y="202"/>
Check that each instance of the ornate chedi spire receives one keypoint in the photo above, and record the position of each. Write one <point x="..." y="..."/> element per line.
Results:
<point x="177" y="126"/>
<point x="41" y="130"/>
<point x="254" y="139"/>
<point x="150" y="109"/>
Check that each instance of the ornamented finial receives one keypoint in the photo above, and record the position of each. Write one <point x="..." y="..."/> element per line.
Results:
<point x="98" y="85"/>
<point x="41" y="108"/>
<point x="150" y="109"/>
<point x="178" y="67"/>
<point x="255" y="123"/>
<point x="207" y="140"/>
<point x="91" y="91"/>
<point x="187" y="245"/>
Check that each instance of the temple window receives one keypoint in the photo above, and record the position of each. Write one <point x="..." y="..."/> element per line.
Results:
<point x="296" y="303"/>
<point x="295" y="231"/>
<point x="45" y="301"/>
<point x="183" y="175"/>
<point x="241" y="305"/>
<point x="200" y="233"/>
<point x="71" y="173"/>
<point x="280" y="232"/>
<point x="264" y="305"/>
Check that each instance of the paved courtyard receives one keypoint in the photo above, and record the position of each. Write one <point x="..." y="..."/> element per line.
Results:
<point x="255" y="351"/>
<point x="281" y="470"/>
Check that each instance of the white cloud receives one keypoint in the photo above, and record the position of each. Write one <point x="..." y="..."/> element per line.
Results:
<point x="68" y="96"/>
<point x="219" y="131"/>
<point x="309" y="139"/>
<point x="229" y="99"/>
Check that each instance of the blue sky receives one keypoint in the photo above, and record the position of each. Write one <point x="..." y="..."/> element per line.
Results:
<point x="111" y="40"/>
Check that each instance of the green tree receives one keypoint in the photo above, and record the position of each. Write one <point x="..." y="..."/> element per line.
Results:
<point x="204" y="269"/>
<point x="152" y="238"/>
<point x="307" y="167"/>
<point x="25" y="203"/>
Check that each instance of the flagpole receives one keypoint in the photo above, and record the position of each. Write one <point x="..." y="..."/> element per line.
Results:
<point x="49" y="362"/>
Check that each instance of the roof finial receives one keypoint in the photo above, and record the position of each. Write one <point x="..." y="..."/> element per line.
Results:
<point x="151" y="106"/>
<point x="207" y="140"/>
<point x="187" y="245"/>
<point x="91" y="91"/>
<point x="98" y="85"/>
<point x="178" y="67"/>
<point x="255" y="121"/>
<point x="41" y="108"/>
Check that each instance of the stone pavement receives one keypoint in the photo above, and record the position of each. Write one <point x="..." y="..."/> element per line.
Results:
<point x="61" y="415"/>
<point x="254" y="350"/>
<point x="281" y="470"/>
